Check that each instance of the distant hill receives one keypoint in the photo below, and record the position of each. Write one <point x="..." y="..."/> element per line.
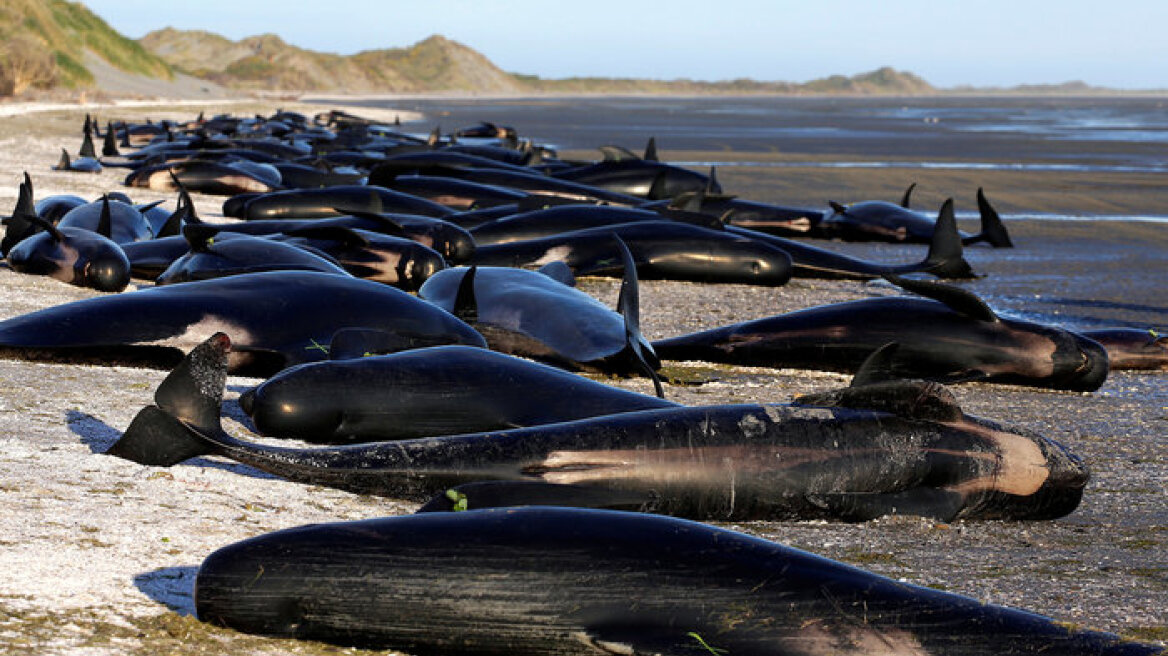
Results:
<point x="439" y="64"/>
<point x="267" y="62"/>
<point x="47" y="43"/>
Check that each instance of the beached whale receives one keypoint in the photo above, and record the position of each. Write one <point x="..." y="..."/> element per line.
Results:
<point x="558" y="581"/>
<point x="209" y="258"/>
<point x="664" y="249"/>
<point x="1132" y="348"/>
<point x="902" y="447"/>
<point x="949" y="336"/>
<point x="424" y="392"/>
<point x="881" y="220"/>
<point x="532" y="314"/>
<point x="279" y="318"/>
<point x="74" y="255"/>
<point x="329" y="201"/>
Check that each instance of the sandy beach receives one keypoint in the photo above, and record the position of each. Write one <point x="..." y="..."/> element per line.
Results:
<point x="100" y="554"/>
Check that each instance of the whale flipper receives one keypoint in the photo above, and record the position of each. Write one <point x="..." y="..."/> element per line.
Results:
<point x="913" y="399"/>
<point x="957" y="299"/>
<point x="629" y="306"/>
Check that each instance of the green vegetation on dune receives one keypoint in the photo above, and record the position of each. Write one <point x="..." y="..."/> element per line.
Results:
<point x="44" y="43"/>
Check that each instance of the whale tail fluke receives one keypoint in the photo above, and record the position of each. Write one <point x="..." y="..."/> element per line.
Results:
<point x="157" y="439"/>
<point x="946" y="257"/>
<point x="187" y="403"/>
<point x="993" y="231"/>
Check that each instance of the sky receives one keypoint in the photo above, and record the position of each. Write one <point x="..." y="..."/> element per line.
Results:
<point x="1113" y="43"/>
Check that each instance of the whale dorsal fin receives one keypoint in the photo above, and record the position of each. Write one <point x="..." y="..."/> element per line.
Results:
<point x="992" y="228"/>
<point x="713" y="187"/>
<point x="837" y="208"/>
<point x="109" y="146"/>
<point x="955" y="298"/>
<point x="651" y="150"/>
<point x="87" y="149"/>
<point x="465" y="305"/>
<point x="629" y="306"/>
<point x="63" y="164"/>
<point x="105" y="224"/>
<point x="946" y="257"/>
<point x="907" y="197"/>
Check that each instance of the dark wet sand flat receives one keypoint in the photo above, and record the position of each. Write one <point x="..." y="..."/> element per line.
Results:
<point x="132" y="536"/>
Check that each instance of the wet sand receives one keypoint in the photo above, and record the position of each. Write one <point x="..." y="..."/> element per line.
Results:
<point x="129" y="538"/>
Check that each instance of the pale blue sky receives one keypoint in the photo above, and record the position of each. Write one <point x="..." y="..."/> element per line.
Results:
<point x="1115" y="43"/>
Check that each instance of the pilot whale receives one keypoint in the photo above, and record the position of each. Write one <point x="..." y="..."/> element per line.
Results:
<point x="560" y="581"/>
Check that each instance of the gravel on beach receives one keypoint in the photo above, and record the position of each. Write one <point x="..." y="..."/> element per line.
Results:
<point x="99" y="554"/>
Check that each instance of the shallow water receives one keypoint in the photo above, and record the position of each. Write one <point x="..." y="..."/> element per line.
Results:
<point x="1104" y="131"/>
<point x="1067" y="269"/>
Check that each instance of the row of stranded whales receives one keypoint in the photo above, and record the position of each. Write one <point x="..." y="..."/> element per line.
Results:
<point x="437" y="425"/>
<point x="540" y="581"/>
<point x="902" y="447"/>
<point x="944" y="259"/>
